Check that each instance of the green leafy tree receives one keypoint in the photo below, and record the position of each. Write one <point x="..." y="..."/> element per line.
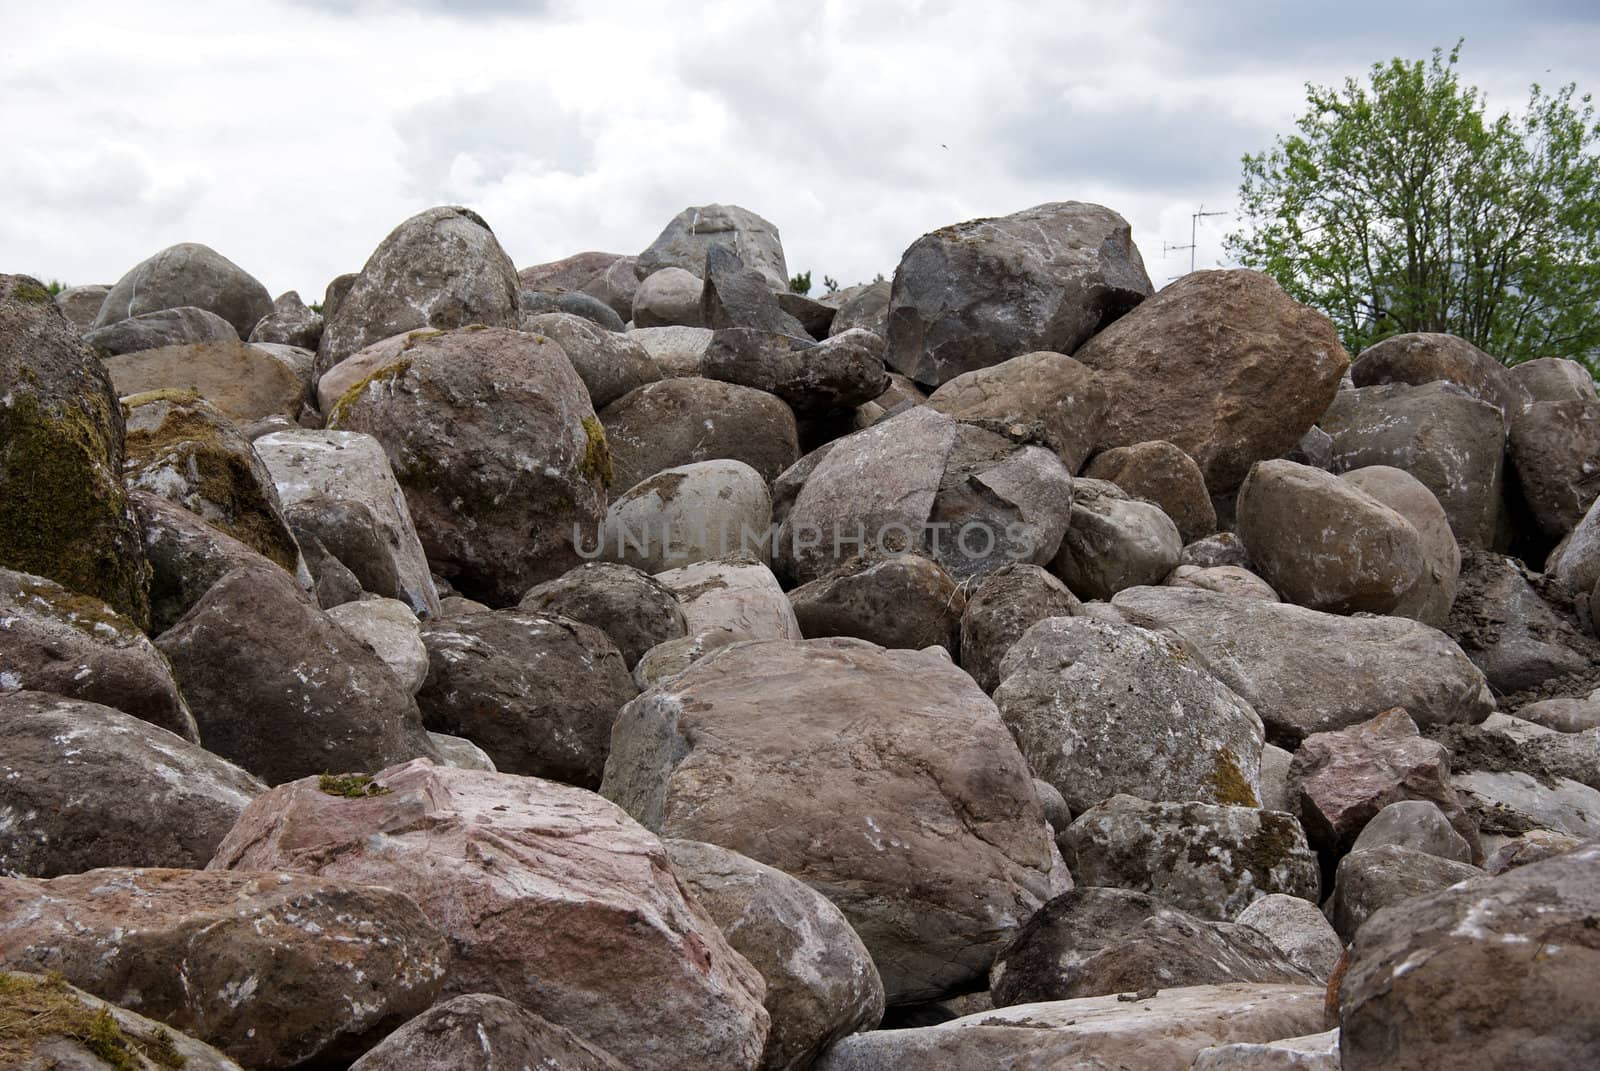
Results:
<point x="1401" y="206"/>
<point x="800" y="284"/>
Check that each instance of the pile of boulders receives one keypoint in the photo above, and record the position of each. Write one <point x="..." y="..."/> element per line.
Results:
<point x="628" y="662"/>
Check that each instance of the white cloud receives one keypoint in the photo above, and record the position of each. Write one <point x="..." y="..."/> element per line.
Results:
<point x="292" y="136"/>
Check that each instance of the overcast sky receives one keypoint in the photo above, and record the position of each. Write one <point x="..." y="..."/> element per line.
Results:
<point x="292" y="135"/>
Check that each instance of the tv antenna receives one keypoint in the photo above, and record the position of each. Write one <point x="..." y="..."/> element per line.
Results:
<point x="1194" y="230"/>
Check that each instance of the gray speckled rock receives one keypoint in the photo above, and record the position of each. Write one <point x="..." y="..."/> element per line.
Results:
<point x="684" y="242"/>
<point x="1114" y="541"/>
<point x="1375" y="878"/>
<point x="737" y="598"/>
<point x="1298" y="929"/>
<point x="1418" y="824"/>
<point x="153" y="330"/>
<point x="904" y="600"/>
<point x="392" y="630"/>
<point x="1314" y="1052"/>
<point x="610" y="364"/>
<point x="1003" y="606"/>
<point x="686" y="514"/>
<point x="668" y="298"/>
<point x="1043" y="397"/>
<point x="684" y="420"/>
<point x="635" y="610"/>
<point x="481" y="1032"/>
<point x="1555" y="447"/>
<point x="188" y="274"/>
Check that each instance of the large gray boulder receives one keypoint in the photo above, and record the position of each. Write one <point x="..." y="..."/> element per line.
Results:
<point x="1000" y="609"/>
<point x="1304" y="671"/>
<point x="814" y="378"/>
<point x="164" y="327"/>
<point x="1555" y="447"/>
<point x="668" y="298"/>
<point x="188" y="274"/>
<point x="887" y="783"/>
<point x="442" y="268"/>
<point x="1114" y="541"/>
<point x="902" y="600"/>
<point x="609" y="364"/>
<point x="1509" y="630"/>
<point x="1430" y="598"/>
<point x="1549" y="379"/>
<point x="1372" y="879"/>
<point x="1101" y="709"/>
<point x="681" y="421"/>
<point x="1224" y="365"/>
<point x="81" y="304"/>
<point x="1425" y="357"/>
<point x="733" y="295"/>
<point x="686" y="514"/>
<point x="1490" y="974"/>
<point x="503" y="462"/>
<point x="1041" y="397"/>
<point x="685" y="241"/>
<point x="633" y="609"/>
<point x="978" y="293"/>
<point x="290" y="323"/>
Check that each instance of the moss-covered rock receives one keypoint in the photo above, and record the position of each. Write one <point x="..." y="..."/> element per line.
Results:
<point x="63" y="508"/>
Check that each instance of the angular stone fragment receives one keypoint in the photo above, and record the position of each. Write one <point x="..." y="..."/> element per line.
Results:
<point x="633" y="609"/>
<point x="680" y="421"/>
<point x="904" y="600"/>
<point x="1041" y="397"/>
<point x="1114" y="542"/>
<point x="1004" y="605"/>
<point x="480" y="1032"/>
<point x="1161" y="473"/>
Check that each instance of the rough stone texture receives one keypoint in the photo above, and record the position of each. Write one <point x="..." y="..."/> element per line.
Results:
<point x="1207" y="859"/>
<point x="1533" y="846"/>
<point x="1306" y="672"/>
<point x="1163" y="1032"/>
<point x="1162" y="473"/>
<point x="527" y="879"/>
<point x="686" y="514"/>
<point x="1563" y="715"/>
<point x="58" y="1039"/>
<point x="1275" y="763"/>
<point x="668" y="298"/>
<point x="491" y="436"/>
<point x="81" y="304"/>
<point x="1518" y="639"/>
<point x="821" y="984"/>
<point x="335" y="381"/>
<point x="680" y="421"/>
<point x="813" y="315"/>
<point x="536" y="691"/>
<point x="814" y="378"/>
<point x="904" y="600"/>
<point x="678" y="351"/>
<point x="736" y="296"/>
<point x="974" y="294"/>
<point x="1453" y="979"/>
<point x="188" y="274"/>
<point x="480" y="1032"/>
<point x="1375" y="878"/>
<point x="568" y="273"/>
<point x="1114" y="541"/>
<point x="1416" y="824"/>
<point x="84" y="786"/>
<point x="1324" y="543"/>
<point x="392" y="630"/>
<point x="276" y="970"/>
<point x="323" y="477"/>
<point x="684" y="242"/>
<point x="883" y="779"/>
<point x="185" y="450"/>
<point x="1093" y="942"/>
<point x="1341" y="780"/>
<point x="609" y="364"/>
<point x="186" y="557"/>
<point x="865" y="306"/>
<point x="674" y="656"/>
<point x="737" y="598"/>
<point x="616" y="286"/>
<point x="63" y="510"/>
<point x="634" y="610"/>
<point x="78" y="647"/>
<point x="1042" y="397"/>
<point x="1423" y="357"/>
<point x="1298" y="929"/>
<point x="1450" y="441"/>
<point x="1315" y="448"/>
<point x="1224" y="365"/>
<point x="1429" y="599"/>
<point x="244" y="382"/>
<point x="280" y="689"/>
<point x="1576" y="561"/>
<point x="1221" y="548"/>
<point x="290" y="323"/>
<point x="1101" y="709"/>
<point x="1555" y="447"/>
<point x="153" y="330"/>
<point x="1553" y="379"/>
<point x="1003" y="606"/>
<point x="1227" y="580"/>
<point x="442" y="268"/>
<point x="1315" y="1052"/>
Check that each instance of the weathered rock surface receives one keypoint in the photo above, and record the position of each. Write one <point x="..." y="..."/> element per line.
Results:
<point x="1163" y="1032"/>
<point x="1101" y="709"/>
<point x="978" y="293"/>
<point x="153" y="330"/>
<point x="491" y="436"/>
<point x="1495" y="973"/>
<point x="737" y="597"/>
<point x="1314" y="1052"/>
<point x="883" y="779"/>
<point x="1161" y="473"/>
<point x="734" y="296"/>
<point x="290" y="323"/>
<point x="442" y="268"/>
<point x="865" y="306"/>
<point x="1094" y="942"/>
<point x="186" y="556"/>
<point x="527" y="878"/>
<point x="392" y="630"/>
<point x="1269" y="367"/>
<point x="1204" y="858"/>
<point x="281" y="690"/>
<point x="677" y="351"/>
<point x="1305" y="672"/>
<point x="1450" y="441"/>
<point x="1430" y="598"/>
<point x="78" y="647"/>
<point x="1227" y="580"/>
<point x="1424" y="357"/>
<point x="904" y="600"/>
<point x="686" y="514"/>
<point x="1324" y="543"/>
<point x="536" y="691"/>
<point x="1003" y="606"/>
<point x="61" y="436"/>
<point x="1555" y="447"/>
<point x="245" y="383"/>
<point x="680" y="421"/>
<point x="668" y="298"/>
<point x="609" y="364"/>
<point x="1552" y="379"/>
<point x="1417" y="824"/>
<point x="84" y="786"/>
<point x="633" y="609"/>
<point x="1298" y="929"/>
<point x="1042" y="397"/>
<point x="813" y="377"/>
<point x="339" y="485"/>
<point x="81" y="304"/>
<point x="188" y="274"/>
<point x="1375" y="878"/>
<point x="1114" y="541"/>
<point x="685" y="241"/>
<point x="480" y="1032"/>
<point x="821" y="984"/>
<point x="276" y="970"/>
<point x="1510" y="632"/>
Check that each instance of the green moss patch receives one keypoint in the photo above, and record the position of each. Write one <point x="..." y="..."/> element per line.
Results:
<point x="34" y="1011"/>
<point x="596" y="463"/>
<point x="387" y="374"/>
<point x="28" y="293"/>
<point x="350" y="786"/>
<point x="1229" y="781"/>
